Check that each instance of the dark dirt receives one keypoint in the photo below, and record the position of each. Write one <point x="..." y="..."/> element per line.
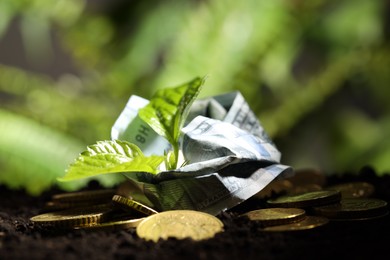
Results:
<point x="242" y="239"/>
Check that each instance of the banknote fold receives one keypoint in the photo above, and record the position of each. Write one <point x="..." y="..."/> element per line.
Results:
<point x="227" y="156"/>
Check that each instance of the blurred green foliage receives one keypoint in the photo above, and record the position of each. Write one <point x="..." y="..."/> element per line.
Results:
<point x="315" y="72"/>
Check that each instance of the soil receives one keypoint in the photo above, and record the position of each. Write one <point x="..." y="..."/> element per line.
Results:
<point x="241" y="239"/>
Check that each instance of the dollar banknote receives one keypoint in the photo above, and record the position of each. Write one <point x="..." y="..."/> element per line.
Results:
<point x="229" y="156"/>
<point x="130" y="127"/>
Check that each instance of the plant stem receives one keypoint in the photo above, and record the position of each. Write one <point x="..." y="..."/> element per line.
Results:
<point x="176" y="154"/>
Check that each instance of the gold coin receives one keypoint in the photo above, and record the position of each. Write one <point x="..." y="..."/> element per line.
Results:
<point x="354" y="189"/>
<point x="73" y="217"/>
<point x="90" y="196"/>
<point x="116" y="219"/>
<point x="276" y="216"/>
<point x="354" y="209"/>
<point x="113" y="225"/>
<point x="127" y="203"/>
<point x="51" y="206"/>
<point x="309" y="222"/>
<point x="305" y="176"/>
<point x="78" y="199"/>
<point x="308" y="199"/>
<point x="179" y="224"/>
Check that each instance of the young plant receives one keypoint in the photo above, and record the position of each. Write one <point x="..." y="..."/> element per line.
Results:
<point x="165" y="114"/>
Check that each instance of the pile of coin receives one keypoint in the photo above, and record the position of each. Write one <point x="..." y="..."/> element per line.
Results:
<point x="304" y="201"/>
<point x="111" y="209"/>
<point x="92" y="209"/>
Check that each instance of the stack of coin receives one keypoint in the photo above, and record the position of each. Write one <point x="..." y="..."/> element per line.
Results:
<point x="276" y="216"/>
<point x="309" y="222"/>
<point x="308" y="199"/>
<point x="131" y="205"/>
<point x="356" y="203"/>
<point x="285" y="219"/>
<point x="342" y="202"/>
<point x="106" y="209"/>
<point x="298" y="203"/>
<point x="75" y="217"/>
<point x="115" y="220"/>
<point x="79" y="199"/>
<point x="354" y="209"/>
<point x="94" y="209"/>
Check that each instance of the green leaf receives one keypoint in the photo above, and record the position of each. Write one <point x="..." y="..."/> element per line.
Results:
<point x="111" y="157"/>
<point x="168" y="109"/>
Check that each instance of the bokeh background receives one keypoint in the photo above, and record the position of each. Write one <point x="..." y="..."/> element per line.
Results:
<point x="315" y="72"/>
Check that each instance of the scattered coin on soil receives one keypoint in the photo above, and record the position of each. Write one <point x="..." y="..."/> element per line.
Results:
<point x="276" y="216"/>
<point x="309" y="222"/>
<point x="308" y="199"/>
<point x="179" y="224"/>
<point x="73" y="217"/>
<point x="130" y="204"/>
<point x="354" y="209"/>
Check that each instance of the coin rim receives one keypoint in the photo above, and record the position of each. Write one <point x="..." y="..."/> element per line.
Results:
<point x="135" y="205"/>
<point x="295" y="226"/>
<point x="77" y="216"/>
<point x="112" y="225"/>
<point x="304" y="203"/>
<point x="83" y="196"/>
<point x="300" y="214"/>
<point x="330" y="211"/>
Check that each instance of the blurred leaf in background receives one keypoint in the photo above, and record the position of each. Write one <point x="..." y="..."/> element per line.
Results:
<point x="315" y="72"/>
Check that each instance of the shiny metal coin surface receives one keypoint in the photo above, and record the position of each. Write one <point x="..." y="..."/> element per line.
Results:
<point x="73" y="217"/>
<point x="276" y="216"/>
<point x="179" y="224"/>
<point x="308" y="199"/>
<point x="354" y="209"/>
<point x="128" y="203"/>
<point x="113" y="225"/>
<point x="92" y="195"/>
<point x="309" y="222"/>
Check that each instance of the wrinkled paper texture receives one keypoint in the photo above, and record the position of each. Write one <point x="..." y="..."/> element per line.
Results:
<point x="229" y="156"/>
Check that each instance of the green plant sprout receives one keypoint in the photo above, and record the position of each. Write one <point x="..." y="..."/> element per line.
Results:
<point x="165" y="114"/>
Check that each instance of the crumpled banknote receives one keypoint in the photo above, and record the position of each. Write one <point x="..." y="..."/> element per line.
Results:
<point x="227" y="156"/>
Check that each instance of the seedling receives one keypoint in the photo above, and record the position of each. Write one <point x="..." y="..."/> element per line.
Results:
<point x="165" y="114"/>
